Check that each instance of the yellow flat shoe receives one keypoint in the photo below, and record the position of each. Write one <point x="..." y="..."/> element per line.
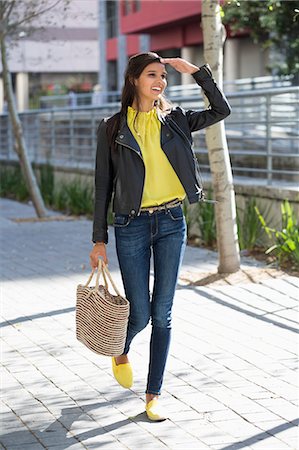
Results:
<point x="123" y="374"/>
<point x="155" y="412"/>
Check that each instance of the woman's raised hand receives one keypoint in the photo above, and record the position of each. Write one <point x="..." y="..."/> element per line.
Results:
<point x="181" y="65"/>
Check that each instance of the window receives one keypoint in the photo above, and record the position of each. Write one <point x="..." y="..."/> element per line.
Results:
<point x="112" y="21"/>
<point x="131" y="6"/>
<point x="128" y="7"/>
<point x="137" y="5"/>
<point x="112" y="75"/>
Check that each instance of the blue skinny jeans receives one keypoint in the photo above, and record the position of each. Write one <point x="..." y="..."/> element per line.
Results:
<point x="162" y="233"/>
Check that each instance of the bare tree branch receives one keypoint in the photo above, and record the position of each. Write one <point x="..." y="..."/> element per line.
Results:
<point x="32" y="16"/>
<point x="5" y="16"/>
<point x="3" y="7"/>
<point x="12" y="5"/>
<point x="15" y="16"/>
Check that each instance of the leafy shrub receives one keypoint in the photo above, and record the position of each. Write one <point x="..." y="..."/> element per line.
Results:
<point x="285" y="241"/>
<point x="12" y="184"/>
<point x="75" y="197"/>
<point x="249" y="225"/>
<point x="46" y="181"/>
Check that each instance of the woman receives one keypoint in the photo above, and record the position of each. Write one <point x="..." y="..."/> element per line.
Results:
<point x="145" y="158"/>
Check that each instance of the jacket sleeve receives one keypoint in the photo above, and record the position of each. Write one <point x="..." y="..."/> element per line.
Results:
<point x="219" y="107"/>
<point x="103" y="185"/>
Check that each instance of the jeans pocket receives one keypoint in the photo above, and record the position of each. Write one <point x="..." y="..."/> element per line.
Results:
<point x="121" y="220"/>
<point x="176" y="213"/>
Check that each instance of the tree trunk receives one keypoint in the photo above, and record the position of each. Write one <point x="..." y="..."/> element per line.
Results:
<point x="20" y="144"/>
<point x="226" y="223"/>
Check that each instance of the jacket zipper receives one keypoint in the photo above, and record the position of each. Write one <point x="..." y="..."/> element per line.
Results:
<point x="131" y="148"/>
<point x="135" y="151"/>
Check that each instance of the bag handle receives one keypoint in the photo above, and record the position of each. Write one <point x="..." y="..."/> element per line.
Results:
<point x="99" y="270"/>
<point x="106" y="272"/>
<point x="102" y="269"/>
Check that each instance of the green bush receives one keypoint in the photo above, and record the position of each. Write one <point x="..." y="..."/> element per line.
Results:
<point x="285" y="242"/>
<point x="46" y="182"/>
<point x="12" y="184"/>
<point x="60" y="200"/>
<point x="75" y="197"/>
<point x="79" y="197"/>
<point x="249" y="225"/>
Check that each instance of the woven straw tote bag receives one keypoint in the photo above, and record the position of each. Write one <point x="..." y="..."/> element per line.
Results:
<point x="101" y="318"/>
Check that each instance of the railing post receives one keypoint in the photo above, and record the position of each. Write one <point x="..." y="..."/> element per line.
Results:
<point x="38" y="141"/>
<point x="93" y="139"/>
<point x="10" y="139"/>
<point x="268" y="139"/>
<point x="53" y="140"/>
<point x="72" y="137"/>
<point x="33" y="150"/>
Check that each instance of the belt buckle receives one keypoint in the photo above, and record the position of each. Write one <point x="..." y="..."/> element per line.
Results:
<point x="150" y="210"/>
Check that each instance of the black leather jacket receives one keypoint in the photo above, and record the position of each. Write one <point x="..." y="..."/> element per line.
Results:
<point x="121" y="170"/>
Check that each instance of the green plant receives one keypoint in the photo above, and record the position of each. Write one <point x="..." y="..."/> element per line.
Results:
<point x="46" y="179"/>
<point x="249" y="225"/>
<point x="286" y="240"/>
<point x="12" y="184"/>
<point x="79" y="197"/>
<point x="272" y="24"/>
<point x="60" y="200"/>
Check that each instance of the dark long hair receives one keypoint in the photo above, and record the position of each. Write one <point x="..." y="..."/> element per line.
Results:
<point x="135" y="67"/>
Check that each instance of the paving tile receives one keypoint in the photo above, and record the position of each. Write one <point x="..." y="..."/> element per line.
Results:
<point x="270" y="443"/>
<point x="24" y="446"/>
<point x="21" y="437"/>
<point x="77" y="446"/>
<point x="231" y="378"/>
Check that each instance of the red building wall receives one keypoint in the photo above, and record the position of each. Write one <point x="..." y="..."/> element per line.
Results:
<point x="170" y="24"/>
<point x="157" y="14"/>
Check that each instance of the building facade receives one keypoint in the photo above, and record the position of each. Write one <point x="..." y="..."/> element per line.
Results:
<point x="170" y="28"/>
<point x="91" y="43"/>
<point x="61" y="59"/>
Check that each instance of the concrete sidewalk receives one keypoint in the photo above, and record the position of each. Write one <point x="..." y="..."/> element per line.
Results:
<point x="231" y="376"/>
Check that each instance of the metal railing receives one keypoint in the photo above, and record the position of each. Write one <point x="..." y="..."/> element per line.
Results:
<point x="74" y="100"/>
<point x="262" y="133"/>
<point x="188" y="90"/>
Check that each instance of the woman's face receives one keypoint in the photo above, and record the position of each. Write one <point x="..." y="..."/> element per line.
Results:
<point x="152" y="82"/>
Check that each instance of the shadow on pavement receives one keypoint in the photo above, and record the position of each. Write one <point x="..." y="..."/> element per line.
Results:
<point x="200" y="292"/>
<point x="243" y="310"/>
<point x="21" y="319"/>
<point x="262" y="436"/>
<point x="56" y="434"/>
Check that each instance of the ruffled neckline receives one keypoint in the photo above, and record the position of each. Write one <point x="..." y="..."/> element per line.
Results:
<point x="149" y="113"/>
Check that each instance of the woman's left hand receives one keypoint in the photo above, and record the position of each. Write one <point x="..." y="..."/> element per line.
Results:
<point x="181" y="65"/>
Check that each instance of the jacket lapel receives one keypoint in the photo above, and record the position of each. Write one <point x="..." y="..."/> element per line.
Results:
<point x="126" y="138"/>
<point x="166" y="133"/>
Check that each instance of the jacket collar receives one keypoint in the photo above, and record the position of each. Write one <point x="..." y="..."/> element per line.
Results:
<point x="126" y="138"/>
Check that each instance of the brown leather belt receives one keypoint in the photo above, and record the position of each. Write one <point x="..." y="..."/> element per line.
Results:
<point x="163" y="207"/>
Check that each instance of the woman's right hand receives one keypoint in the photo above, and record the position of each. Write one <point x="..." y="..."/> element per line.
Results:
<point x="98" y="251"/>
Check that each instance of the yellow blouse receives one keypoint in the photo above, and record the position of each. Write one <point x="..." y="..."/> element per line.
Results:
<point x="161" y="182"/>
